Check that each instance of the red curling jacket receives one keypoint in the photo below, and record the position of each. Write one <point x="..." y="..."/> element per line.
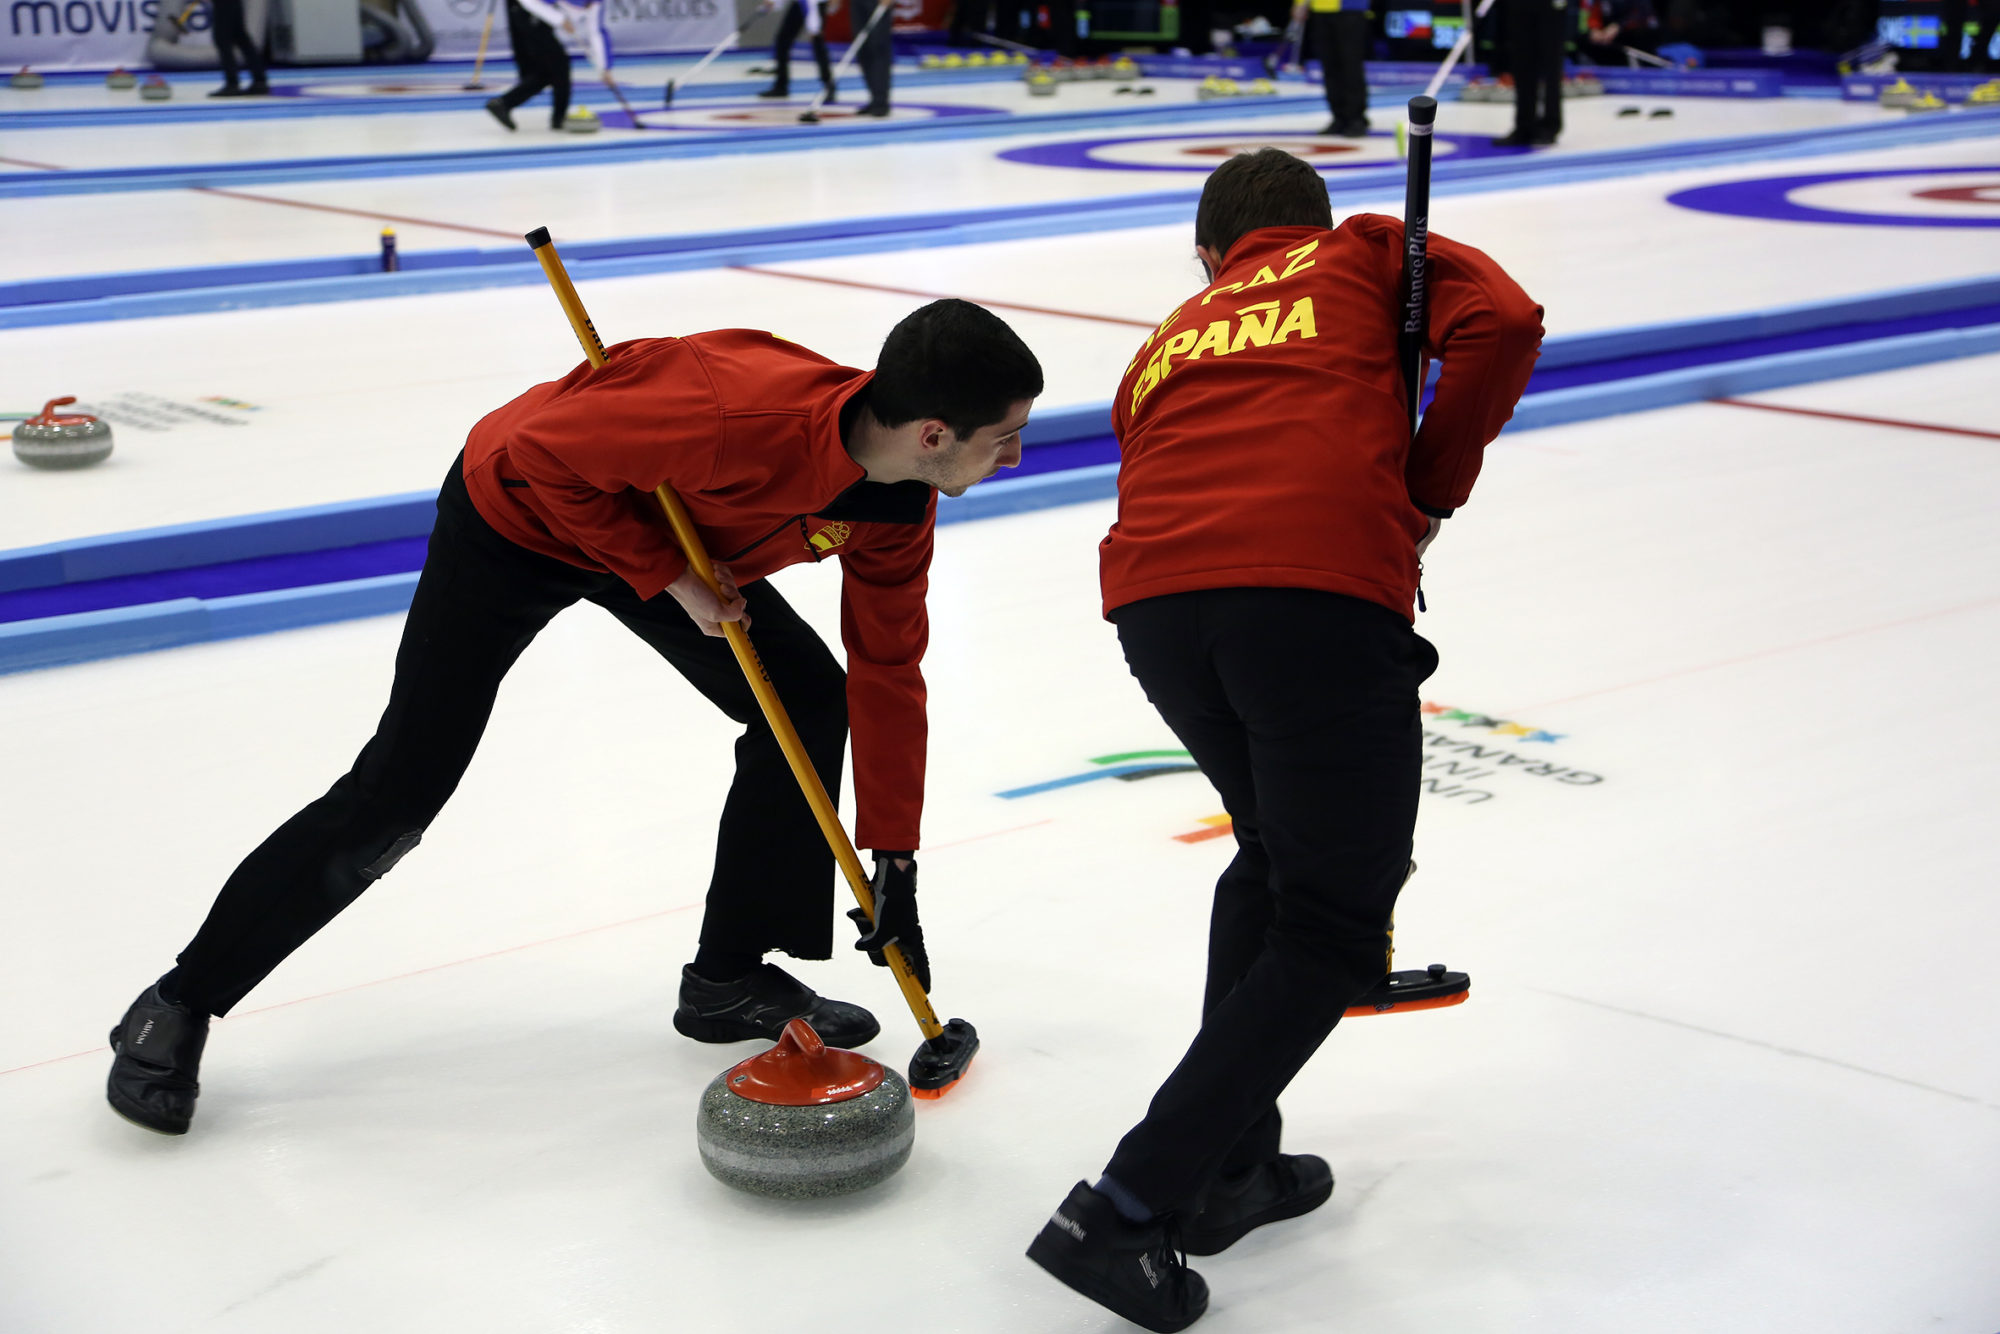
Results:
<point x="746" y="426"/>
<point x="1262" y="430"/>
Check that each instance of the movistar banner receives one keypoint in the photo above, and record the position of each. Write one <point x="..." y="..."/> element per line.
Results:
<point x="102" y="34"/>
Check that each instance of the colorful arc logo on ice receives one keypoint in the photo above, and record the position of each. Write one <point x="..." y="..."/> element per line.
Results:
<point x="1453" y="763"/>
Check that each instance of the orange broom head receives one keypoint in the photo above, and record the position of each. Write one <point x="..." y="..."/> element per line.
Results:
<point x="942" y="1061"/>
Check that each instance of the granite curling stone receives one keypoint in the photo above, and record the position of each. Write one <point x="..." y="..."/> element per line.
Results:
<point x="27" y="78"/>
<point x="121" y="78"/>
<point x="805" y="1121"/>
<point x="582" y="121"/>
<point x="62" y="439"/>
<point x="156" y="89"/>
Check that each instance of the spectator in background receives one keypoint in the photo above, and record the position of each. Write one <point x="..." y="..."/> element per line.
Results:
<point x="232" y="37"/>
<point x="542" y="59"/>
<point x="1610" y="26"/>
<point x="875" y="54"/>
<point x="801" y="16"/>
<point x="1537" y="36"/>
<point x="1337" y="35"/>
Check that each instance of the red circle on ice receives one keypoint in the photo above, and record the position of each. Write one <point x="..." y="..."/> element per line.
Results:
<point x="1965" y="194"/>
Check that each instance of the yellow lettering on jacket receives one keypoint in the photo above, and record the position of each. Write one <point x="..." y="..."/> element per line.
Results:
<point x="1264" y="275"/>
<point x="1258" y="322"/>
<point x="1298" y="320"/>
<point x="1256" y="326"/>
<point x="1215" y="338"/>
<point x="1299" y="260"/>
<point x="1215" y="292"/>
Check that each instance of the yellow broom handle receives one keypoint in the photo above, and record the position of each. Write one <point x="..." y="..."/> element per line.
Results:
<point x="753" y="666"/>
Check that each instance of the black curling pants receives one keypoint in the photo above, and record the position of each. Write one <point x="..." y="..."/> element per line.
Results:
<point x="1302" y="708"/>
<point x="1340" y="42"/>
<point x="789" y="28"/>
<point x="479" y="602"/>
<point x="541" y="63"/>
<point x="876" y="52"/>
<point x="232" y="38"/>
<point x="1537" y="35"/>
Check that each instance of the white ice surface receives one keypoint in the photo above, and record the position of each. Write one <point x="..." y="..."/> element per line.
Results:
<point x="1730" y="1062"/>
<point x="72" y="234"/>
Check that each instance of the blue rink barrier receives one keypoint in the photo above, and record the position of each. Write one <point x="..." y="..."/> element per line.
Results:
<point x="1688" y="83"/>
<point x="226" y="553"/>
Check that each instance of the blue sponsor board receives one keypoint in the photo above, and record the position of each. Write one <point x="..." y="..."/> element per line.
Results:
<point x="1948" y="87"/>
<point x="1691" y="83"/>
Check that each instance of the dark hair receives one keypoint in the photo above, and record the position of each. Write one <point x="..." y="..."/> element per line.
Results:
<point x="954" y="361"/>
<point x="1267" y="188"/>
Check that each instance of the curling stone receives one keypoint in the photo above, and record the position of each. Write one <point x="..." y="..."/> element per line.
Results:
<point x="1899" y="94"/>
<point x="62" y="439"/>
<point x="1985" y="95"/>
<point x="805" y="1121"/>
<point x="582" y="121"/>
<point x="1125" y="68"/>
<point x="1041" y="83"/>
<point x="977" y="60"/>
<point x="953" y="61"/>
<point x="27" y="78"/>
<point x="1928" y="102"/>
<point x="930" y="61"/>
<point x="156" y="89"/>
<point x="121" y="78"/>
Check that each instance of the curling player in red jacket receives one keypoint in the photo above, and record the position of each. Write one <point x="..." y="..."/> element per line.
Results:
<point x="1272" y="508"/>
<point x="782" y="457"/>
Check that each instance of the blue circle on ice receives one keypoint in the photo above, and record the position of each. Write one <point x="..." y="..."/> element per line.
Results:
<point x="1204" y="152"/>
<point x="1769" y="198"/>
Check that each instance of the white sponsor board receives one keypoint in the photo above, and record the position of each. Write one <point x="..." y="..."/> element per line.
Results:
<point x="91" y="34"/>
<point x="634" y="25"/>
<point x="102" y="34"/>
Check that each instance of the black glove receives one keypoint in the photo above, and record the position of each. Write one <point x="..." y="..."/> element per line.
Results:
<point x="895" y="890"/>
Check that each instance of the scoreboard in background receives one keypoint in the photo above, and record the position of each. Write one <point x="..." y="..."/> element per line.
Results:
<point x="1911" y="25"/>
<point x="1918" y="25"/>
<point x="1417" y="31"/>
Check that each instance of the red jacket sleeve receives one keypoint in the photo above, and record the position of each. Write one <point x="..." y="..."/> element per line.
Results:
<point x="1487" y="333"/>
<point x="645" y="417"/>
<point x="885" y="627"/>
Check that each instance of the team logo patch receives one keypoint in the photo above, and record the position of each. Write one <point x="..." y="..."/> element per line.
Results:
<point x="829" y="537"/>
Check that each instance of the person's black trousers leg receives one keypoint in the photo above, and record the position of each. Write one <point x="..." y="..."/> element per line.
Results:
<point x="876" y="52"/>
<point x="1343" y="49"/>
<point x="1552" y="35"/>
<point x="1537" y="34"/>
<point x="525" y="33"/>
<point x="226" y="18"/>
<point x="773" y="885"/>
<point x="479" y="602"/>
<point x="558" y="73"/>
<point x="790" y="25"/>
<point x="1324" y="39"/>
<point x="1302" y="709"/>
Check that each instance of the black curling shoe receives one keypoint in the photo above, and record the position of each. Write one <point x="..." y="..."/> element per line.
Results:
<point x="1291" y="1185"/>
<point x="1133" y="1269"/>
<point x="760" y="1004"/>
<point x="158" y="1056"/>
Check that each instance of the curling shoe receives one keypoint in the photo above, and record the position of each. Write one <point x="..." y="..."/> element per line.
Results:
<point x="1286" y="1187"/>
<point x="760" y="1004"/>
<point x="1134" y="1269"/>
<point x="157" y="1048"/>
